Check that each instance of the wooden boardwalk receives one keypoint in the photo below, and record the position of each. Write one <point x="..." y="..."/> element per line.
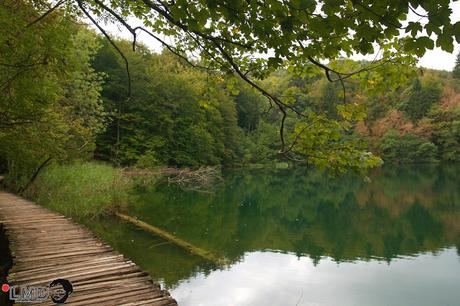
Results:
<point x="46" y="246"/>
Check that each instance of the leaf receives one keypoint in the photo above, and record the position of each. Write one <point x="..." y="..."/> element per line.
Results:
<point x="445" y="42"/>
<point x="424" y="42"/>
<point x="274" y="62"/>
<point x="414" y="28"/>
<point x="304" y="4"/>
<point x="456" y="30"/>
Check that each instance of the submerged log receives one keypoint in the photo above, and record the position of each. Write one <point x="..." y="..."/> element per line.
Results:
<point x="209" y="256"/>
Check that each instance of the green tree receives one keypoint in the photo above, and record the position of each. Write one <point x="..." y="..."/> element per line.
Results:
<point x="445" y="118"/>
<point x="456" y="71"/>
<point x="175" y="115"/>
<point x="447" y="137"/>
<point x="249" y="106"/>
<point x="420" y="100"/>
<point x="49" y="104"/>
<point x="330" y="100"/>
<point x="226" y="36"/>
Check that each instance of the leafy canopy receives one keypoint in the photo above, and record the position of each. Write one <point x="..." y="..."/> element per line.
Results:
<point x="229" y="33"/>
<point x="252" y="39"/>
<point x="49" y="94"/>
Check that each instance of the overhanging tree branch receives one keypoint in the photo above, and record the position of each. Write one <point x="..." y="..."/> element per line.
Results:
<point x="125" y="60"/>
<point x="185" y="28"/>
<point x="52" y="9"/>
<point x="223" y="57"/>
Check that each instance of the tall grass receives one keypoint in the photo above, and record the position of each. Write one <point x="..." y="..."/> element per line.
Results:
<point x="81" y="190"/>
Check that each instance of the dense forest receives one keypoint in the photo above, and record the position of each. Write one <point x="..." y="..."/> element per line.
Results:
<point x="66" y="95"/>
<point x="304" y="130"/>
<point x="214" y="120"/>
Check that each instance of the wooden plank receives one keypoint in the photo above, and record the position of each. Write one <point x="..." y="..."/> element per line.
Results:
<point x="40" y="240"/>
<point x="161" y="301"/>
<point x="51" y="262"/>
<point x="126" y="277"/>
<point x="56" y="256"/>
<point x="115" y="298"/>
<point x="113" y="284"/>
<point x="67" y="245"/>
<point x="46" y="245"/>
<point x="65" y="269"/>
<point x="63" y="250"/>
<point x="68" y="267"/>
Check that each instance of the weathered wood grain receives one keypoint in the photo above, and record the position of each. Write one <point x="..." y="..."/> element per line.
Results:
<point x="46" y="246"/>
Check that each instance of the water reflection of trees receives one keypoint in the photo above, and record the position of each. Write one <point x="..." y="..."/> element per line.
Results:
<point x="401" y="211"/>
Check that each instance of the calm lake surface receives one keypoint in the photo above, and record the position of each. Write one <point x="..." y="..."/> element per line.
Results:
<point x="297" y="237"/>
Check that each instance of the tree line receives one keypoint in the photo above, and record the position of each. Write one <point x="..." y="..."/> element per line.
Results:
<point x="182" y="116"/>
<point x="66" y="95"/>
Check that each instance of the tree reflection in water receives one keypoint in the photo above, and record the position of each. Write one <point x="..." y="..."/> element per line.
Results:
<point x="402" y="211"/>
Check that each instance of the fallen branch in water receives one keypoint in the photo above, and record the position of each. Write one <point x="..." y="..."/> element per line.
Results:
<point x="200" y="180"/>
<point x="196" y="180"/>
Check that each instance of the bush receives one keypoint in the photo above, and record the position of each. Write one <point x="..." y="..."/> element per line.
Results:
<point x="81" y="189"/>
<point x="148" y="160"/>
<point x="407" y="148"/>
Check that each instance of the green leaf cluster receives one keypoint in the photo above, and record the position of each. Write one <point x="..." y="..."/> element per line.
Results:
<point x="50" y="105"/>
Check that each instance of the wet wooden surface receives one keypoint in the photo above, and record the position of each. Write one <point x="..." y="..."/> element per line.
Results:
<point x="46" y="246"/>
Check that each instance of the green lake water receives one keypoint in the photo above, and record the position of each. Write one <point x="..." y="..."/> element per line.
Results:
<point x="298" y="237"/>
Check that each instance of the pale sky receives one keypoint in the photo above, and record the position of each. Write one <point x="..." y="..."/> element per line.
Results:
<point x="435" y="59"/>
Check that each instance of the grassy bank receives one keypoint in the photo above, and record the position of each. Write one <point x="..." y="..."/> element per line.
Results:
<point x="90" y="189"/>
<point x="81" y="190"/>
